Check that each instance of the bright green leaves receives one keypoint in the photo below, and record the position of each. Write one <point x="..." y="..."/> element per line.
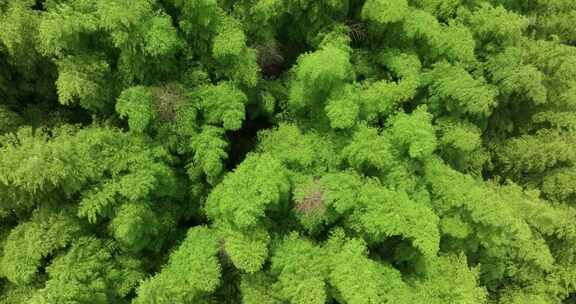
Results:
<point x="210" y="151"/>
<point x="238" y="206"/>
<point x="548" y="219"/>
<point x="319" y="202"/>
<point x="193" y="270"/>
<point x="19" y="32"/>
<point x="440" y="8"/>
<point x="381" y="98"/>
<point x="64" y="27"/>
<point x="134" y="225"/>
<point x="369" y="150"/>
<point x="30" y="242"/>
<point x="536" y="153"/>
<point x="414" y="132"/>
<point x="319" y="87"/>
<point x="160" y="38"/>
<point x="84" y="79"/>
<point x="341" y="191"/>
<point x="134" y="26"/>
<point x="318" y="73"/>
<point x="316" y="151"/>
<point x="255" y="289"/>
<point x="145" y="177"/>
<point x="361" y="205"/>
<point x="411" y="134"/>
<point x="132" y="29"/>
<point x="247" y="251"/>
<point x="116" y="169"/>
<point x="405" y="65"/>
<point x="359" y="279"/>
<point x="340" y="270"/>
<point x="223" y="104"/>
<point x="460" y="142"/>
<point x="557" y="62"/>
<point x="493" y="24"/>
<point x="439" y="287"/>
<point x="301" y="270"/>
<point x="258" y="184"/>
<point x="266" y="10"/>
<point x="236" y="60"/>
<point x="166" y="111"/>
<point x="556" y="22"/>
<point x="460" y="135"/>
<point x="514" y="77"/>
<point x="562" y="120"/>
<point x="26" y="152"/>
<point x="493" y="218"/>
<point x="453" y="42"/>
<point x="383" y="12"/>
<point x="16" y="294"/>
<point x="559" y="185"/>
<point x="101" y="200"/>
<point x="343" y="110"/>
<point x="454" y="90"/>
<point x="136" y="103"/>
<point x="90" y="260"/>
<point x="198" y="18"/>
<point x="230" y="40"/>
<point x="308" y="152"/>
<point x="136" y="169"/>
<point x="118" y="15"/>
<point x="405" y="218"/>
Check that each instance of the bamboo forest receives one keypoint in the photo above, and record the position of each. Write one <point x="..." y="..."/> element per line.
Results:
<point x="288" y="151"/>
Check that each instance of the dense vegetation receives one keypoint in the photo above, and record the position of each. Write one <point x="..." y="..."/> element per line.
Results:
<point x="288" y="151"/>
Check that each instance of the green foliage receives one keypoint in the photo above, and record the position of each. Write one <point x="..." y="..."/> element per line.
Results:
<point x="229" y="42"/>
<point x="343" y="110"/>
<point x="240" y="200"/>
<point x="414" y="133"/>
<point x="496" y="24"/>
<point x="518" y="155"/>
<point x="210" y="151"/>
<point x="359" y="279"/>
<point x="369" y="150"/>
<point x="453" y="42"/>
<point x="385" y="11"/>
<point x="89" y="260"/>
<point x="117" y="169"/>
<point x="192" y="271"/>
<point x="493" y="215"/>
<point x="30" y="242"/>
<point x="298" y="150"/>
<point x="514" y="77"/>
<point x="454" y="90"/>
<point x="136" y="103"/>
<point x="82" y="79"/>
<point x="135" y="226"/>
<point x="9" y="120"/>
<point x="282" y="151"/>
<point x="301" y="270"/>
<point x="377" y="202"/>
<point x="19" y="33"/>
<point x="317" y="74"/>
<point x="223" y="104"/>
<point x="439" y="287"/>
<point x="248" y="251"/>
